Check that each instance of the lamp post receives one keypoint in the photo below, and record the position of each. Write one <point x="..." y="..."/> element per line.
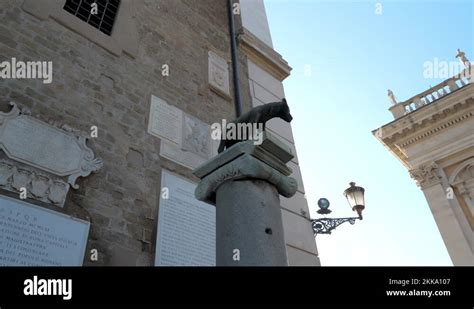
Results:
<point x="355" y="197"/>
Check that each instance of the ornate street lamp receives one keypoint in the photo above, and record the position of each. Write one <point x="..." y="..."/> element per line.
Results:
<point x="355" y="197"/>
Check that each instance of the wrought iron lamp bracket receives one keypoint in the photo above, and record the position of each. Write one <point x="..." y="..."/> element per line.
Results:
<point x="326" y="225"/>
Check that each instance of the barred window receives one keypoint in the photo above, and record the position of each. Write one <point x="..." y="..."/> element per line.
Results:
<point x="103" y="20"/>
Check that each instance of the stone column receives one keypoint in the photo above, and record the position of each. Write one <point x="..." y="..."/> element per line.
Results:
<point x="448" y="224"/>
<point x="430" y="178"/>
<point x="244" y="183"/>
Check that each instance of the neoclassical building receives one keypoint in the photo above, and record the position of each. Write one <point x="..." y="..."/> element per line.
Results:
<point x="432" y="135"/>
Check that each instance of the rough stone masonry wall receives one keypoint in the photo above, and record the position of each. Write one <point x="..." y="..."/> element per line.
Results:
<point x="92" y="87"/>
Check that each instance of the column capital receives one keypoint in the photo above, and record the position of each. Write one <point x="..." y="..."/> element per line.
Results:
<point x="426" y="175"/>
<point x="246" y="160"/>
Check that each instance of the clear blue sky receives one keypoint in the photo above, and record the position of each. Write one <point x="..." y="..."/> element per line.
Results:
<point x="355" y="56"/>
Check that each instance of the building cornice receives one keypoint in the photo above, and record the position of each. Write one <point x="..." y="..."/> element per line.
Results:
<point x="437" y="128"/>
<point x="263" y="55"/>
<point x="430" y="119"/>
<point x="453" y="110"/>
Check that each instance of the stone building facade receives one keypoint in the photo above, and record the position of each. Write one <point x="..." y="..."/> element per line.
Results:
<point x="174" y="52"/>
<point x="433" y="137"/>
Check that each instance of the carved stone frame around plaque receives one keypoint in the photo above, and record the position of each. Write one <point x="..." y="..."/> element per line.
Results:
<point x="41" y="157"/>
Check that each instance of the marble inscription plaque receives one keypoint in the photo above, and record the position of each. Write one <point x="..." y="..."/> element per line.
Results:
<point x="59" y="151"/>
<point x="45" y="143"/>
<point x="165" y="120"/>
<point x="185" y="139"/>
<point x="35" y="236"/>
<point x="186" y="227"/>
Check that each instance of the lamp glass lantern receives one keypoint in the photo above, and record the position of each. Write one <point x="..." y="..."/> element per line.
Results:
<point x="355" y="196"/>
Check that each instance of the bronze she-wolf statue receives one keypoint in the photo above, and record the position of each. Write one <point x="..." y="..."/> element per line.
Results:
<point x="259" y="116"/>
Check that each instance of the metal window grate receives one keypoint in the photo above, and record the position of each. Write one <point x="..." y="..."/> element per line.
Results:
<point x="103" y="20"/>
